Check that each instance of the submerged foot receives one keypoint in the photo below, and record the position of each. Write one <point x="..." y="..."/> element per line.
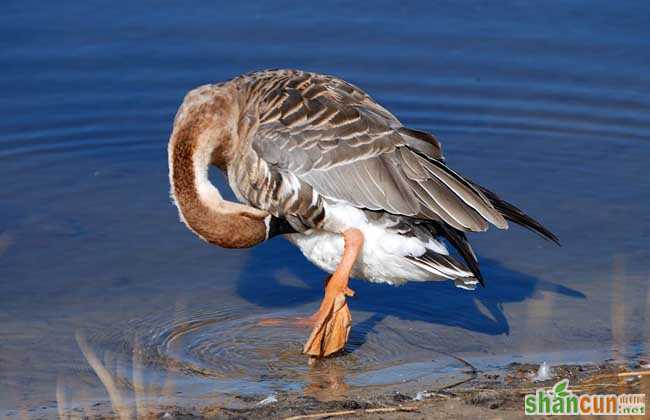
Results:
<point x="332" y="323"/>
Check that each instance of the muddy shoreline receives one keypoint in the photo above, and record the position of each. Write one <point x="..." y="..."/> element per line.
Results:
<point x="483" y="394"/>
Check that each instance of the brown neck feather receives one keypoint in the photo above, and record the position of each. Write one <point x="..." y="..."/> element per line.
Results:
<point x="202" y="134"/>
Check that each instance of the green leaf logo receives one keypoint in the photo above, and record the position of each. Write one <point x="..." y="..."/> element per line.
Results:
<point x="560" y="389"/>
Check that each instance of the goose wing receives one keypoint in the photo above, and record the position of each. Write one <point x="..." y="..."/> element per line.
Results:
<point x="322" y="133"/>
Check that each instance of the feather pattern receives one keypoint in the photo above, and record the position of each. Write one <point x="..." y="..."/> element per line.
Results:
<point x="316" y="141"/>
<point x="343" y="146"/>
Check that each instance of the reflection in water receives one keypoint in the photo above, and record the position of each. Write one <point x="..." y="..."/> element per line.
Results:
<point x="118" y="401"/>
<point x="130" y="394"/>
<point x="618" y="310"/>
<point x="5" y="242"/>
<point x="327" y="382"/>
<point x="133" y="396"/>
<point x="136" y="389"/>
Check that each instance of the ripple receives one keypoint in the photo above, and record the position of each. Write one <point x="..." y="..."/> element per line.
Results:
<point x="223" y="347"/>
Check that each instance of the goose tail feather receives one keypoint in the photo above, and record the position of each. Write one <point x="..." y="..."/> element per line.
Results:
<point x="514" y="214"/>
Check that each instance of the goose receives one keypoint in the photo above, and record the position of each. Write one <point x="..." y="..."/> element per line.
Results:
<point x="317" y="160"/>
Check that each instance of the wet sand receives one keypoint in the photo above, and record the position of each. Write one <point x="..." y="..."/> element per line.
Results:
<point x="489" y="394"/>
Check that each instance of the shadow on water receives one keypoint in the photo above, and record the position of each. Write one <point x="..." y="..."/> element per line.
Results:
<point x="434" y="302"/>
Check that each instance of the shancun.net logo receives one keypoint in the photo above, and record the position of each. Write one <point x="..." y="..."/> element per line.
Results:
<point x="561" y="401"/>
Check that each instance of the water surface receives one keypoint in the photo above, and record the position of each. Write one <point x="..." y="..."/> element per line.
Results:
<point x="548" y="105"/>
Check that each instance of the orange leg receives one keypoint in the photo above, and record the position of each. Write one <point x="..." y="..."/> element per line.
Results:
<point x="333" y="320"/>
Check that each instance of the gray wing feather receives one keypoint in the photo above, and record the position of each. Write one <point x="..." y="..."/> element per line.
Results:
<point x="341" y="145"/>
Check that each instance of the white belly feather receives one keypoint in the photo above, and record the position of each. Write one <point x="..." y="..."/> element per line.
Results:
<point x="382" y="259"/>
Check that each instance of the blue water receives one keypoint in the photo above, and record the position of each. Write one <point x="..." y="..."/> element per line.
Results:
<point x="546" y="104"/>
